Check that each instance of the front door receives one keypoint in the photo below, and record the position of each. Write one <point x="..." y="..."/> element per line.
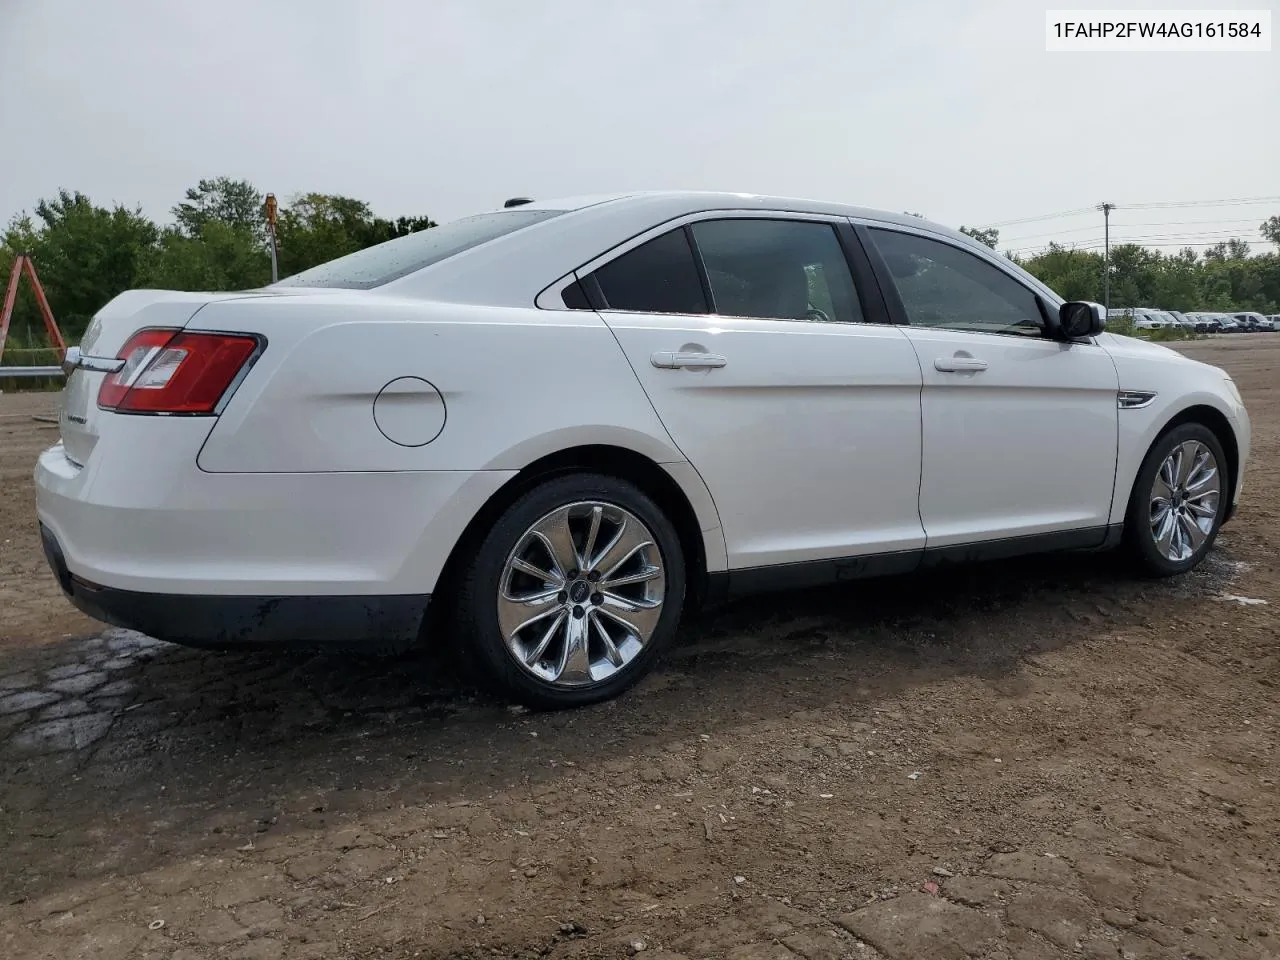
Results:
<point x="750" y="339"/>
<point x="1020" y="431"/>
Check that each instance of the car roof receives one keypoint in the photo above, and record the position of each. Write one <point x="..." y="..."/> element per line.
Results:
<point x="693" y="201"/>
<point x="514" y="269"/>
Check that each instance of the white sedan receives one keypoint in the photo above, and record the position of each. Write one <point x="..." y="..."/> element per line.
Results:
<point x="543" y="433"/>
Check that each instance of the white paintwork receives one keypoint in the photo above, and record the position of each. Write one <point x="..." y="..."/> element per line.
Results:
<point x="115" y="323"/>
<point x="1179" y="384"/>
<point x="1026" y="445"/>
<point x="308" y="404"/>
<point x="807" y="444"/>
<point x="410" y="411"/>
<point x="809" y="436"/>
<point x="139" y="517"/>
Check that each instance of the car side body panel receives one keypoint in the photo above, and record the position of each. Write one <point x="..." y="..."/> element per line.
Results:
<point x="509" y="386"/>
<point x="1026" y="446"/>
<point x="1177" y="383"/>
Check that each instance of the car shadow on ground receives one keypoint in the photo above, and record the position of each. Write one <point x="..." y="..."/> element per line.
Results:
<point x="122" y="722"/>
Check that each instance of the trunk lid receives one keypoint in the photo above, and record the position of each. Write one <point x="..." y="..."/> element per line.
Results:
<point x="80" y="421"/>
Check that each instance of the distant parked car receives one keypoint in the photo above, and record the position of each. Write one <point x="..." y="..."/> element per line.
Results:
<point x="1183" y="320"/>
<point x="1252" y="322"/>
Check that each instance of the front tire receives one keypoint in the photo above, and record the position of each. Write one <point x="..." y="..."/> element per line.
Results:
<point x="1178" y="501"/>
<point x="573" y="593"/>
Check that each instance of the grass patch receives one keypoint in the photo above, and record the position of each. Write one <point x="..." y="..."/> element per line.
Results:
<point x="20" y="353"/>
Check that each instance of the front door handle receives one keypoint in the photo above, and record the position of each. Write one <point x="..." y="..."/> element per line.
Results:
<point x="959" y="365"/>
<point x="686" y="360"/>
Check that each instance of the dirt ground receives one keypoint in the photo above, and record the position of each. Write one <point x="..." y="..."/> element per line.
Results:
<point x="1036" y="759"/>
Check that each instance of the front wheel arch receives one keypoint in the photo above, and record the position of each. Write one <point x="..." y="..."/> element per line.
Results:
<point x="1214" y="420"/>
<point x="1139" y="529"/>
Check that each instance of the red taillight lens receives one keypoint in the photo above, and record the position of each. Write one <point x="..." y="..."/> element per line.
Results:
<point x="170" y="371"/>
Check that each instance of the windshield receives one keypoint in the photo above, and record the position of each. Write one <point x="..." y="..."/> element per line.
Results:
<point x="374" y="266"/>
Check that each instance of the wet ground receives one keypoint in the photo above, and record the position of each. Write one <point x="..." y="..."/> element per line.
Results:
<point x="1044" y="758"/>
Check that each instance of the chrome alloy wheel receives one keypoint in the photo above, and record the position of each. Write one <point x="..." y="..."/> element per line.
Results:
<point x="581" y="594"/>
<point x="1184" y="500"/>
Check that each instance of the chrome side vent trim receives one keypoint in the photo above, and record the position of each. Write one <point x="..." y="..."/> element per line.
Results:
<point x="1134" y="399"/>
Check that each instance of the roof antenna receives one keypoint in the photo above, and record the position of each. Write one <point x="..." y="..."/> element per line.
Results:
<point x="517" y="202"/>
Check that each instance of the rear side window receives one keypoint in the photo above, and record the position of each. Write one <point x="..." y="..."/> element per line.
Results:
<point x="777" y="269"/>
<point x="394" y="259"/>
<point x="658" y="276"/>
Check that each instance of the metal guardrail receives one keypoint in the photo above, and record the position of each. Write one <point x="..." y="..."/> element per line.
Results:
<point x="12" y="372"/>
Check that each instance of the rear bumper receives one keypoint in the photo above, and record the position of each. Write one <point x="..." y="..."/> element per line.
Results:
<point x="139" y="516"/>
<point x="224" y="621"/>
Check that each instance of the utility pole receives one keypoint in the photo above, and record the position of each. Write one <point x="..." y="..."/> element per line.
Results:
<point x="1106" y="209"/>
<point x="270" y="209"/>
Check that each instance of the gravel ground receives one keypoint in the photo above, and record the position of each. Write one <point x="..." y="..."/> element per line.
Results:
<point x="1043" y="758"/>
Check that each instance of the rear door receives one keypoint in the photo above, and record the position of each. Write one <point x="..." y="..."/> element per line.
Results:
<point x="1020" y="431"/>
<point x="758" y="352"/>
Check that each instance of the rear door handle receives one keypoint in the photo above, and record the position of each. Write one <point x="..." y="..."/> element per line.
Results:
<point x="959" y="365"/>
<point x="687" y="360"/>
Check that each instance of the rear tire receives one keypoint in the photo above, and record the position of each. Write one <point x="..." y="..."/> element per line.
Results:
<point x="573" y="594"/>
<point x="1178" y="501"/>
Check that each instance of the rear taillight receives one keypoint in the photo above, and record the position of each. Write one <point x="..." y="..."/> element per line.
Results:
<point x="172" y="371"/>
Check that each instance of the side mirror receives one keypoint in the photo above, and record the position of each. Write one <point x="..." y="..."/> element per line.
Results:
<point x="1081" y="318"/>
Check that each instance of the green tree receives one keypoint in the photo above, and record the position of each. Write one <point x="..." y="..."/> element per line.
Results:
<point x="317" y="227"/>
<point x="1271" y="230"/>
<point x="990" y="236"/>
<point x="86" y="254"/>
<point x="234" y="202"/>
<point x="1074" y="274"/>
<point x="1232" y="249"/>
<point x="382" y="230"/>
<point x="221" y="257"/>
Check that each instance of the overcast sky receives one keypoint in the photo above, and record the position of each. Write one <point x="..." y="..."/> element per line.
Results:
<point x="447" y="107"/>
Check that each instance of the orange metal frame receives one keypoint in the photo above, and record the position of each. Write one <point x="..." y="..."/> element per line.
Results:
<point x="23" y="262"/>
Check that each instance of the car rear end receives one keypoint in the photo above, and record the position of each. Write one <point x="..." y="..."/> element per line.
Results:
<point x="140" y="536"/>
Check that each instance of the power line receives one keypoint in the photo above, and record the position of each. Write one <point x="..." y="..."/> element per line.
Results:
<point x="1149" y="223"/>
<point x="1157" y="205"/>
<point x="1186" y="236"/>
<point x="1045" y="216"/>
<point x="1099" y="242"/>
<point x="1157" y="239"/>
<point x="1222" y="234"/>
<point x="1164" y="204"/>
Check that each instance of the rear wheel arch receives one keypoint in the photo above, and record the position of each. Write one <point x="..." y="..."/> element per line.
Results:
<point x="609" y="460"/>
